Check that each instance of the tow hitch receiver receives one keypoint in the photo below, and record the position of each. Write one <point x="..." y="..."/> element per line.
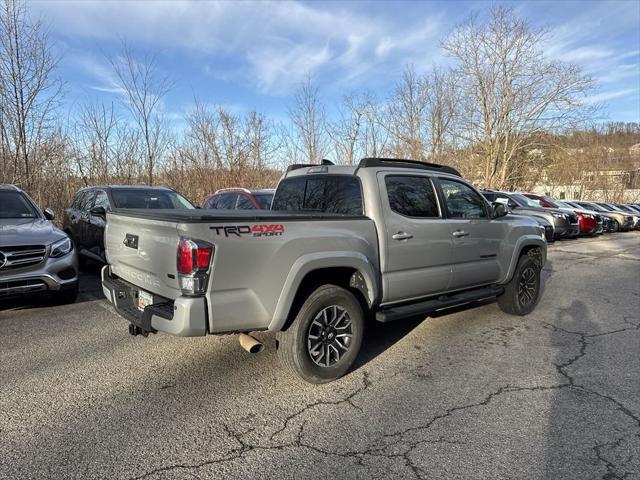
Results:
<point x="136" y="330"/>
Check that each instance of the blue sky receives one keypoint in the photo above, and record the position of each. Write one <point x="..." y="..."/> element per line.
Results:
<point x="246" y="55"/>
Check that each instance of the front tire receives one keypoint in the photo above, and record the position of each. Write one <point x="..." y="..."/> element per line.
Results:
<point x="522" y="293"/>
<point x="616" y="226"/>
<point x="325" y="337"/>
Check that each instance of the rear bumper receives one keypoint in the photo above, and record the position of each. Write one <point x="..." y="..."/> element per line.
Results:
<point x="184" y="316"/>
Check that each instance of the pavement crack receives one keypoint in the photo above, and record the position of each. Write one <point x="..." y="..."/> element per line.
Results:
<point x="582" y="339"/>
<point x="612" y="472"/>
<point x="366" y="383"/>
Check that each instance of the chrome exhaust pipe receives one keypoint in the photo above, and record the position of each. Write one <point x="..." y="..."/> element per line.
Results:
<point x="249" y="343"/>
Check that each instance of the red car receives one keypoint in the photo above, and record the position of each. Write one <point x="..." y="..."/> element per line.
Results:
<point x="590" y="222"/>
<point x="239" y="199"/>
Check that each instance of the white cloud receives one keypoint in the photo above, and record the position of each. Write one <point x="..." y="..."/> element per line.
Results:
<point x="611" y="95"/>
<point x="276" y="43"/>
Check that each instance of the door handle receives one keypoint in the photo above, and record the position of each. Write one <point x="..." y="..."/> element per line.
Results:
<point x="460" y="233"/>
<point x="402" y="236"/>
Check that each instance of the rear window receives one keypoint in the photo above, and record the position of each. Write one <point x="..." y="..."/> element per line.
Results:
<point x="327" y="193"/>
<point x="149" y="198"/>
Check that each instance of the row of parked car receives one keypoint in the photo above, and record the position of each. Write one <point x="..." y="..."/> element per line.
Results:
<point x="570" y="218"/>
<point x="28" y="237"/>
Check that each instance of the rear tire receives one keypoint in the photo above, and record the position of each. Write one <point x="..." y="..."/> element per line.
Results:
<point x="522" y="293"/>
<point x="616" y="226"/>
<point x="325" y="337"/>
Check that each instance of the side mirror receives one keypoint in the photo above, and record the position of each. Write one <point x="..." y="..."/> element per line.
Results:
<point x="48" y="214"/>
<point x="98" y="212"/>
<point x="499" y="209"/>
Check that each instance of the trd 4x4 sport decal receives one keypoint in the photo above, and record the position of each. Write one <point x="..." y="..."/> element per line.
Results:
<point x="258" y="230"/>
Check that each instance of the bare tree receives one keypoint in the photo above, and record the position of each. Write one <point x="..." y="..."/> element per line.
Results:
<point x="143" y="91"/>
<point x="346" y="132"/>
<point x="407" y="111"/>
<point x="358" y="131"/>
<point x="510" y="91"/>
<point x="375" y="135"/>
<point x="96" y="131"/>
<point x="220" y="149"/>
<point x="262" y="144"/>
<point x="442" y="108"/>
<point x="307" y="116"/>
<point x="28" y="91"/>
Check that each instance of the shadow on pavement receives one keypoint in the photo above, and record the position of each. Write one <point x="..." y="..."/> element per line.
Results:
<point x="379" y="337"/>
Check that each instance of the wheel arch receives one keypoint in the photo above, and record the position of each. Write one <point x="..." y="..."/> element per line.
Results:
<point x="350" y="270"/>
<point x="525" y="246"/>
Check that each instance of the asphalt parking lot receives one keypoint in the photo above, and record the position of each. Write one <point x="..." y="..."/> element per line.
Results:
<point x="474" y="394"/>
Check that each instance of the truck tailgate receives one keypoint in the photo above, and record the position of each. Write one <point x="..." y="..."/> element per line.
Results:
<point x="143" y="252"/>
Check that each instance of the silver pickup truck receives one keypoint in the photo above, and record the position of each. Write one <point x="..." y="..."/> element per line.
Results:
<point x="384" y="240"/>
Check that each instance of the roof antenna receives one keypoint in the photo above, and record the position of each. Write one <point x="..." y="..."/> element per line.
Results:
<point x="326" y="162"/>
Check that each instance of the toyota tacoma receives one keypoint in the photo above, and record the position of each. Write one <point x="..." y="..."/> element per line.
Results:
<point x="383" y="240"/>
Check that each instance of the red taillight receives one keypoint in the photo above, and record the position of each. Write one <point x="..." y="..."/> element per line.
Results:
<point x="185" y="257"/>
<point x="203" y="257"/>
<point x="193" y="256"/>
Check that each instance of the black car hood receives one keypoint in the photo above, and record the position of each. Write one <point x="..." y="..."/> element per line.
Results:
<point x="28" y="231"/>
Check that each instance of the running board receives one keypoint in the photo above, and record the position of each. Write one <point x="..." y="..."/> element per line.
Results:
<point x="445" y="301"/>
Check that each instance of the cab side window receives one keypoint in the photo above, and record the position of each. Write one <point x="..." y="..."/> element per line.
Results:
<point x="461" y="200"/>
<point x="412" y="196"/>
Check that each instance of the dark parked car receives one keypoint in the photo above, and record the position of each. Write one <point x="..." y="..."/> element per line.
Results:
<point x="564" y="226"/>
<point x="239" y="199"/>
<point x="35" y="255"/>
<point x="84" y="221"/>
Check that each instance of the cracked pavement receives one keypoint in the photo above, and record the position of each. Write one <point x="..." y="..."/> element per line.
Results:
<point x="471" y="394"/>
